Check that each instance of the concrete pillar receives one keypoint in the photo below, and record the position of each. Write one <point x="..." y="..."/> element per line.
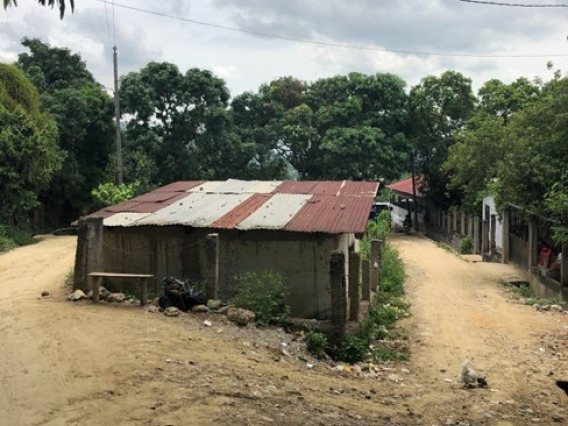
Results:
<point x="564" y="266"/>
<point x="533" y="242"/>
<point x="212" y="259"/>
<point x="462" y="224"/>
<point x="375" y="264"/>
<point x="338" y="294"/>
<point x="354" y="286"/>
<point x="476" y="239"/>
<point x="506" y="241"/>
<point x="89" y="255"/>
<point x="365" y="287"/>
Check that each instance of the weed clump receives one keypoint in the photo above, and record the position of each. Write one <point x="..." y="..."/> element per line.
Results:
<point x="264" y="294"/>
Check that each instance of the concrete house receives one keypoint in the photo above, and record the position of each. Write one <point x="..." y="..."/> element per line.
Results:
<point x="211" y="231"/>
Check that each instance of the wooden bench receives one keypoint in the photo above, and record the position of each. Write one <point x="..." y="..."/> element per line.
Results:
<point x="97" y="277"/>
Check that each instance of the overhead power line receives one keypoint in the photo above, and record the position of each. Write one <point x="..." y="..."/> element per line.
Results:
<point x="328" y="44"/>
<point x="497" y="3"/>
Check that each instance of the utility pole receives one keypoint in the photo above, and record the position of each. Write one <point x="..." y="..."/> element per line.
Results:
<point x="118" y="142"/>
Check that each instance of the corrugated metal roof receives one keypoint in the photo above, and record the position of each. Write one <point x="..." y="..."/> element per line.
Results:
<point x="360" y="189"/>
<point x="296" y="187"/>
<point x="196" y="210"/>
<point x="333" y="215"/>
<point x="405" y="186"/>
<point x="155" y="196"/>
<point x="241" y="212"/>
<point x="181" y="186"/>
<point x="327" y="207"/>
<point x="275" y="213"/>
<point x="123" y="219"/>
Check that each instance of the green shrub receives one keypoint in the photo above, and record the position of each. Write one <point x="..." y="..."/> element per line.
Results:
<point x="108" y="194"/>
<point x="383" y="314"/>
<point x="466" y="245"/>
<point x="6" y="243"/>
<point x="376" y="229"/>
<point x="524" y="290"/>
<point x="264" y="294"/>
<point x="316" y="343"/>
<point x="352" y="349"/>
<point x="392" y="272"/>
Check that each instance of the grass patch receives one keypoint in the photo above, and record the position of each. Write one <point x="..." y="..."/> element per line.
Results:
<point x="446" y="247"/>
<point x="524" y="291"/>
<point x="68" y="281"/>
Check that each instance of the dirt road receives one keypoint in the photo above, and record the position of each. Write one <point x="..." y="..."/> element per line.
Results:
<point x="79" y="364"/>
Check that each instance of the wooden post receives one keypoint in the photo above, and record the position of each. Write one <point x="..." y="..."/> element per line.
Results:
<point x="354" y="287"/>
<point x="212" y="255"/>
<point x="144" y="291"/>
<point x="338" y="295"/>
<point x="89" y="254"/>
<point x="470" y="226"/>
<point x="449" y="223"/>
<point x="462" y="224"/>
<point x="96" y="284"/>
<point x="564" y="266"/>
<point x="506" y="240"/>
<point x="455" y="221"/>
<point x="365" y="287"/>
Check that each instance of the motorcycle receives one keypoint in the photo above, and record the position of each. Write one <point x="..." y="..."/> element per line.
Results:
<point x="407" y="225"/>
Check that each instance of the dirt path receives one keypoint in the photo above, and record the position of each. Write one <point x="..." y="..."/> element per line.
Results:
<point x="460" y="310"/>
<point x="79" y="364"/>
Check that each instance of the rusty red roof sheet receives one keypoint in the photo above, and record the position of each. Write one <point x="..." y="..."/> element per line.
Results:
<point x="360" y="189"/>
<point x="296" y="187"/>
<point x="405" y="186"/>
<point x="333" y="215"/>
<point x="181" y="186"/>
<point x="155" y="196"/>
<point x="241" y="212"/>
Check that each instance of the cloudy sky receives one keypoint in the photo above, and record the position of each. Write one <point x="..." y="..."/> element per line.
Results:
<point x="373" y="29"/>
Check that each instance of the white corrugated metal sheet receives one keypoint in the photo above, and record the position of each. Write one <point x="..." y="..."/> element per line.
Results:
<point x="236" y="186"/>
<point x="265" y="187"/>
<point x="197" y="210"/>
<point x="123" y="219"/>
<point x="206" y="187"/>
<point x="276" y="212"/>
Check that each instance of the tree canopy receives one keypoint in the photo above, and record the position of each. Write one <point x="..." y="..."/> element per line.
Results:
<point x="29" y="155"/>
<point x="83" y="113"/>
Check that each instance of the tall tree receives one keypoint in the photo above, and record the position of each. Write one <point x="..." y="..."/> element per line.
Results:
<point x="83" y="113"/>
<point x="439" y="107"/>
<point x="475" y="157"/>
<point x="29" y="155"/>
<point x="182" y="122"/>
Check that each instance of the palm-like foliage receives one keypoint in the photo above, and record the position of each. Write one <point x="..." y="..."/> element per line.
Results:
<point x="60" y="4"/>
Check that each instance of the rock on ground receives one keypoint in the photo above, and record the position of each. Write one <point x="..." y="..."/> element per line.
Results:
<point x="171" y="311"/>
<point x="240" y="316"/>
<point x="77" y="295"/>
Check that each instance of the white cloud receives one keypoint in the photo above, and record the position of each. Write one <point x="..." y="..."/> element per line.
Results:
<point x="247" y="61"/>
